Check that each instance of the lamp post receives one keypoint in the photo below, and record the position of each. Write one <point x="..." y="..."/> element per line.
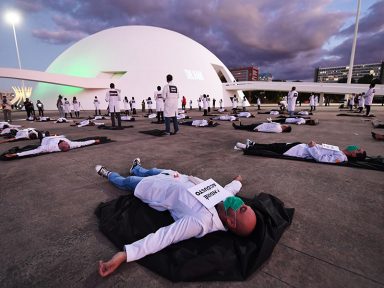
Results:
<point x="14" y="18"/>
<point x="354" y="43"/>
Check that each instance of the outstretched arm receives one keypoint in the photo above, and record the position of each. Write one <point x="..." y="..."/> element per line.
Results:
<point x="106" y="268"/>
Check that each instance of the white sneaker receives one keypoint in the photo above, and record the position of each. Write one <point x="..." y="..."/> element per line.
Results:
<point x="249" y="143"/>
<point x="240" y="146"/>
<point x="135" y="162"/>
<point x="102" y="171"/>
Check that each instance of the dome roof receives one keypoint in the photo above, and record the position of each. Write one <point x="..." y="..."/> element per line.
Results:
<point x="137" y="59"/>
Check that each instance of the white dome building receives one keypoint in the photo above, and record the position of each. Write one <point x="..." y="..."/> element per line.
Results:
<point x="137" y="59"/>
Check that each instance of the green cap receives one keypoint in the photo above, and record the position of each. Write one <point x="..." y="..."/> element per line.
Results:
<point x="352" y="148"/>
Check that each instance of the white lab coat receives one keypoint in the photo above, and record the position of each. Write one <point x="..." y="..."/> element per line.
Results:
<point x="369" y="96"/>
<point x="67" y="106"/>
<point x="205" y="104"/>
<point x="158" y="95"/>
<point x="292" y="97"/>
<point x="318" y="153"/>
<point x="234" y="103"/>
<point x="126" y="104"/>
<point x="312" y="100"/>
<point x="113" y="98"/>
<point x="171" y="98"/>
<point x="271" y="127"/>
<point x="76" y="106"/>
<point x="96" y="102"/>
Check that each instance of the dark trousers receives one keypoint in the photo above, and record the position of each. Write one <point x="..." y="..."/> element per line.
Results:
<point x="117" y="115"/>
<point x="205" y="112"/>
<point x="96" y="112"/>
<point x="279" y="148"/>
<point x="65" y="115"/>
<point x="160" y="115"/>
<point x="168" y="124"/>
<point x="41" y="112"/>
<point x="367" y="109"/>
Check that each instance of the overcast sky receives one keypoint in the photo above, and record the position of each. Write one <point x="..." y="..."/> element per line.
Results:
<point x="286" y="38"/>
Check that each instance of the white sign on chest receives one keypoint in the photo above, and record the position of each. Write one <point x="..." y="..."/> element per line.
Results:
<point x="209" y="193"/>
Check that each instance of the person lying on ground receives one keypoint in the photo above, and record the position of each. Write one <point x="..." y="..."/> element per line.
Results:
<point x="225" y="118"/>
<point x="84" y="123"/>
<point x="127" y="118"/>
<point x="167" y="190"/>
<point x="377" y="136"/>
<point x="54" y="144"/>
<point x="244" y="115"/>
<point x="319" y="152"/>
<point x="295" y="120"/>
<point x="199" y="123"/>
<point x="23" y="134"/>
<point x="377" y="124"/>
<point x="62" y="120"/>
<point x="4" y="125"/>
<point x="268" y="127"/>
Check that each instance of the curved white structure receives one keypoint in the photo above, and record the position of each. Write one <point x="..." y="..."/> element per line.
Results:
<point x="137" y="59"/>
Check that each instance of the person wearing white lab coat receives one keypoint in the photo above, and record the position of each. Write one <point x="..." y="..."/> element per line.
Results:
<point x="134" y="105"/>
<point x="96" y="103"/>
<point x="234" y="104"/>
<point x="361" y="102"/>
<point x="369" y="98"/>
<point x="205" y="105"/>
<point x="258" y="102"/>
<point x="126" y="105"/>
<point x="67" y="108"/>
<point x="244" y="103"/>
<point x="149" y="104"/>
<point x="76" y="107"/>
<point x="158" y="96"/>
<point x="171" y="100"/>
<point x="291" y="98"/>
<point x="113" y="98"/>
<point x="312" y="102"/>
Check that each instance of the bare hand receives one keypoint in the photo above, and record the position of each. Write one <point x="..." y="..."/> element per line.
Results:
<point x="106" y="268"/>
<point x="10" y="155"/>
<point x="312" y="143"/>
<point x="97" y="141"/>
<point x="238" y="178"/>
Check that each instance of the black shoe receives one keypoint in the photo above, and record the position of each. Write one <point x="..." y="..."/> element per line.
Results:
<point x="102" y="171"/>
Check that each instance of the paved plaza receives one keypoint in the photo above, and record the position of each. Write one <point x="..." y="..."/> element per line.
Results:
<point x="50" y="237"/>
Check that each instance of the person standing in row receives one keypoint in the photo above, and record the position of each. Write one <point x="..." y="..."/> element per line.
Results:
<point x="209" y="103"/>
<point x="133" y="103"/>
<point x="113" y="98"/>
<point x="149" y="104"/>
<point x="143" y="106"/>
<point x="126" y="105"/>
<point x="205" y="105"/>
<point x="360" y="98"/>
<point x="28" y="105"/>
<point x="96" y="102"/>
<point x="369" y="98"/>
<point x="76" y="107"/>
<point x="199" y="103"/>
<point x="40" y="107"/>
<point x="7" y="109"/>
<point x="67" y="108"/>
<point x="258" y="102"/>
<point x="60" y="106"/>
<point x="244" y="103"/>
<point x="171" y="96"/>
<point x="190" y="104"/>
<point x="183" y="103"/>
<point x="234" y="104"/>
<point x="214" y="103"/>
<point x="221" y="103"/>
<point x="291" y="99"/>
<point x="158" y="95"/>
<point x="312" y="101"/>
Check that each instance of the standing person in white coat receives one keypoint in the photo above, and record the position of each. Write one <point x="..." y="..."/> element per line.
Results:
<point x="134" y="106"/>
<point x="360" y="98"/>
<point x="258" y="102"/>
<point x="244" y="103"/>
<point x="76" y="107"/>
<point x="209" y="103"/>
<point x="291" y="98"/>
<point x="126" y="105"/>
<point x="149" y="104"/>
<point x="312" y="101"/>
<point x="171" y="96"/>
<point x="158" y="95"/>
<point x="96" y="102"/>
<point x="205" y="105"/>
<point x="234" y="104"/>
<point x="369" y="98"/>
<point x="113" y="98"/>
<point x="316" y="101"/>
<point x="67" y="108"/>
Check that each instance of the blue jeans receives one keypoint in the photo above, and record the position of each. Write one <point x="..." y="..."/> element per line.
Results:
<point x="130" y="182"/>
<point x="168" y="124"/>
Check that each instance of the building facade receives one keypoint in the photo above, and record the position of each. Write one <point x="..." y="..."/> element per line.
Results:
<point x="245" y="73"/>
<point x="334" y="74"/>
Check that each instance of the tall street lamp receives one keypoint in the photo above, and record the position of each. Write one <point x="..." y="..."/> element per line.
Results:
<point x="14" y="18"/>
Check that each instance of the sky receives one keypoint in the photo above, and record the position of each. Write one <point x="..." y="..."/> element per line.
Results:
<point x="288" y="39"/>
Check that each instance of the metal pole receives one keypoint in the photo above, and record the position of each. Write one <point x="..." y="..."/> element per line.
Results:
<point x="354" y="44"/>
<point x="18" y="57"/>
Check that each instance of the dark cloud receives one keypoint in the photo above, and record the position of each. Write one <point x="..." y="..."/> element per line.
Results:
<point x="284" y="38"/>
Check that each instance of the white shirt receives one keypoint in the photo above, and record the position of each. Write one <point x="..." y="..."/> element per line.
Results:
<point x="205" y="104"/>
<point x="126" y="104"/>
<point x="24" y="133"/>
<point x="234" y="103"/>
<point x="96" y="102"/>
<point x="6" y="125"/>
<point x="317" y="152"/>
<point x="291" y="99"/>
<point x="200" y="123"/>
<point x="271" y="127"/>
<point x="165" y="192"/>
<point x="297" y="121"/>
<point x="51" y="144"/>
<point x="76" y="106"/>
<point x="225" y="118"/>
<point x="244" y="114"/>
<point x="67" y="106"/>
